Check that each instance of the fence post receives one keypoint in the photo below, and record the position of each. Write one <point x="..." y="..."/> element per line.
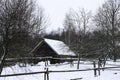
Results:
<point x="47" y="74"/>
<point x="99" y="64"/>
<point x="45" y="63"/>
<point x="78" y="61"/>
<point x="71" y="62"/>
<point x="45" y="68"/>
<point x="95" y="70"/>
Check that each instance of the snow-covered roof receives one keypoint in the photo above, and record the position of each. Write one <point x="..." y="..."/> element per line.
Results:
<point x="59" y="47"/>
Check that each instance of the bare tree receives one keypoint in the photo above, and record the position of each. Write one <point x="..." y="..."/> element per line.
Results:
<point x="77" y="24"/>
<point x="82" y="21"/>
<point x="108" y="19"/>
<point x="19" y="19"/>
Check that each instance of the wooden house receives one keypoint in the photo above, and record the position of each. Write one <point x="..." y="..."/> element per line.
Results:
<point x="52" y="48"/>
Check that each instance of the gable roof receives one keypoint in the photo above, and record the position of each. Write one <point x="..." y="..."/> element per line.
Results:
<point x="58" y="46"/>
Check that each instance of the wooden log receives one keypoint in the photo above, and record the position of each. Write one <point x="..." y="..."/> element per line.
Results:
<point x="77" y="78"/>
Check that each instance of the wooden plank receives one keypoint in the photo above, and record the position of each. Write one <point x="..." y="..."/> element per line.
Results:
<point x="20" y="74"/>
<point x="77" y="78"/>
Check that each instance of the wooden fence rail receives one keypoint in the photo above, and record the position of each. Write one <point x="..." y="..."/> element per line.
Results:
<point x="46" y="72"/>
<point x="49" y="71"/>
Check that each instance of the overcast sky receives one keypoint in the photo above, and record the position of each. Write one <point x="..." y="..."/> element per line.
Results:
<point x="56" y="9"/>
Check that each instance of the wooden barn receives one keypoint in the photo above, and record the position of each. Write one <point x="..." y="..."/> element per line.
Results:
<point x="52" y="48"/>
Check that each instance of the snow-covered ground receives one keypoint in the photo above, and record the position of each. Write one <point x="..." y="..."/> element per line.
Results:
<point x="108" y="74"/>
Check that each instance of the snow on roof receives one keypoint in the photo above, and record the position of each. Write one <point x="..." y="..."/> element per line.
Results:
<point x="59" y="47"/>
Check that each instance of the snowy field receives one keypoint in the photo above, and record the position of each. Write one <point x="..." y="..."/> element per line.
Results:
<point x="108" y="74"/>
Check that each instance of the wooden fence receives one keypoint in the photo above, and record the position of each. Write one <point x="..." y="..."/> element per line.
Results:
<point x="96" y="69"/>
<point x="47" y="72"/>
